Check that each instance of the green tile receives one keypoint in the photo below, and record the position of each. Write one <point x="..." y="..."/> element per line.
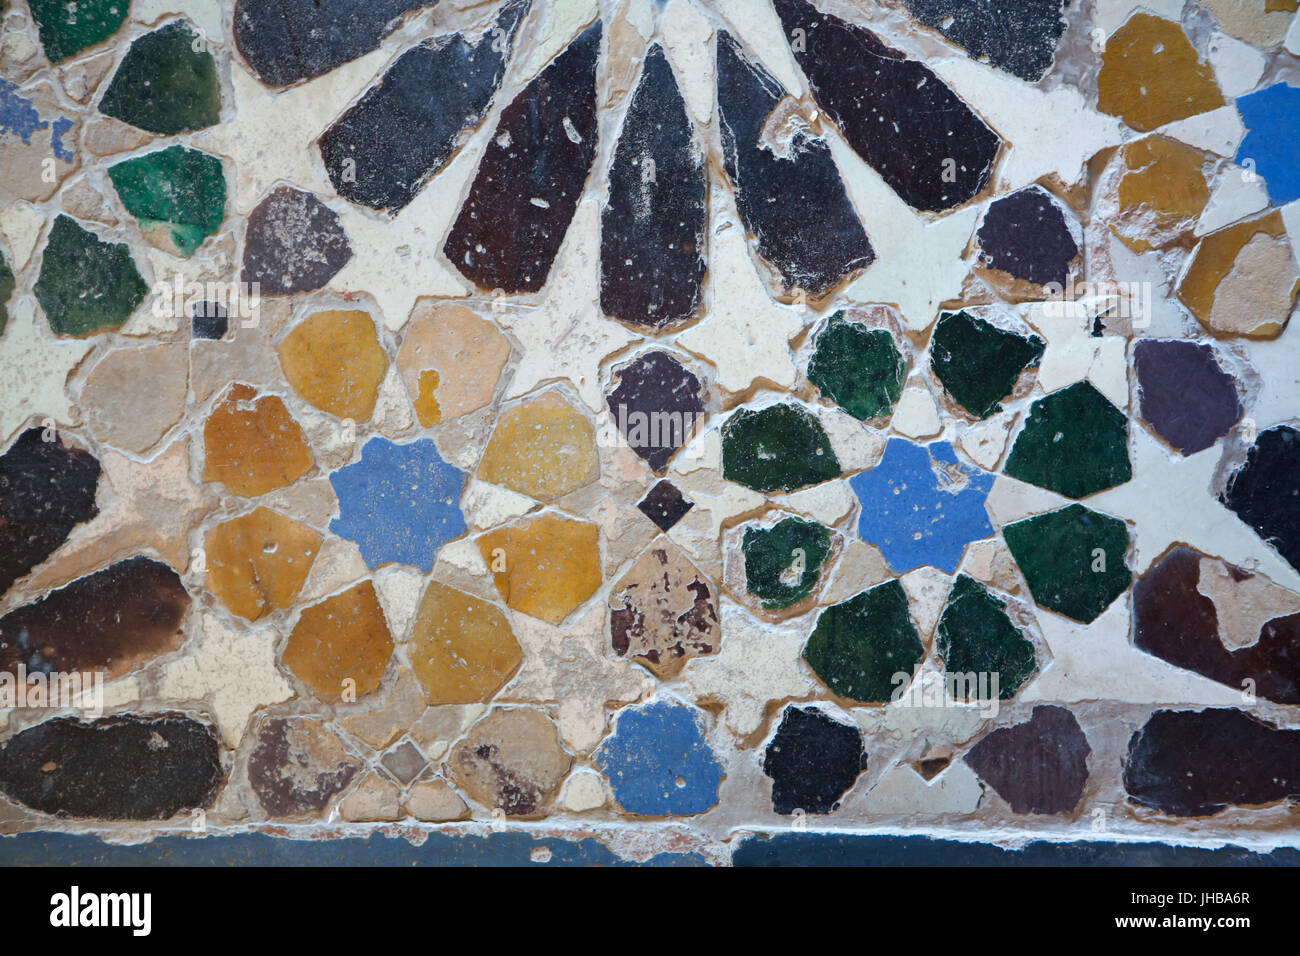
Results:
<point x="976" y="636"/>
<point x="1074" y="443"/>
<point x="68" y="28"/>
<point x="858" y="646"/>
<point x="86" y="284"/>
<point x="1072" y="560"/>
<point x="177" y="194"/>
<point x="778" y="448"/>
<point x="783" y="562"/>
<point x="858" y="368"/>
<point x="6" y="290"/>
<point x="977" y="363"/>
<point x="164" y="84"/>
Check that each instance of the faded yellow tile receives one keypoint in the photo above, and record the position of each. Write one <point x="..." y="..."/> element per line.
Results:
<point x="544" y="566"/>
<point x="1243" y="279"/>
<point x="461" y="648"/>
<point x="257" y="563"/>
<point x="544" y="448"/>
<point x="1161" y="194"/>
<point x="333" y="360"/>
<point x="466" y="353"/>
<point x="252" y="445"/>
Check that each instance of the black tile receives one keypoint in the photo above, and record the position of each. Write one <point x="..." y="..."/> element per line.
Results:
<point x="405" y="129"/>
<point x="664" y="505"/>
<point x="795" y="202"/>
<point x="926" y="143"/>
<point x="652" y="227"/>
<point x="531" y="176"/>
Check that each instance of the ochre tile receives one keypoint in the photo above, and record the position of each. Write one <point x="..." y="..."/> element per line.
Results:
<point x="544" y="566"/>
<point x="543" y="448"/>
<point x="1151" y="75"/>
<point x="252" y="445"/>
<point x="461" y="648"/>
<point x="342" y="639"/>
<point x="257" y="563"/>
<point x="333" y="360"/>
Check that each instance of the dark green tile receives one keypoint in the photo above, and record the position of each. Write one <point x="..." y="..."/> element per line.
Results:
<point x="858" y="646"/>
<point x="1072" y="560"/>
<point x="778" y="448"/>
<point x="977" y="636"/>
<point x="68" y="28"/>
<point x="6" y="290"/>
<point x="1074" y="443"/>
<point x="177" y="194"/>
<point x="164" y="85"/>
<point x="86" y="284"/>
<point x="783" y="562"/>
<point x="977" y="363"/>
<point x="858" y="368"/>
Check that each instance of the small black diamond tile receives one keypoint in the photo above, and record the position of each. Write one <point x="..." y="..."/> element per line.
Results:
<point x="664" y="505"/>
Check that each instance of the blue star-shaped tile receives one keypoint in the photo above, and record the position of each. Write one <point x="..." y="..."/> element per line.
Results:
<point x="920" y="506"/>
<point x="399" y="503"/>
<point x="658" y="762"/>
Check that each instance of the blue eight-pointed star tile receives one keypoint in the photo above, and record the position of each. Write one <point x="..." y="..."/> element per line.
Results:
<point x="920" y="506"/>
<point x="658" y="761"/>
<point x="399" y="503"/>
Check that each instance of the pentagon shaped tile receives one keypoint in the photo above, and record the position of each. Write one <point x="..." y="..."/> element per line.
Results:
<point x="257" y="563"/>
<point x="1073" y="560"/>
<point x="663" y="611"/>
<point x="543" y="448"/>
<point x="461" y="649"/>
<point x="340" y="647"/>
<point x="544" y="566"/>
<point x="252" y="445"/>
<point x="1074" y="442"/>
<point x="860" y="646"/>
<point x="333" y="360"/>
<point x="166" y="83"/>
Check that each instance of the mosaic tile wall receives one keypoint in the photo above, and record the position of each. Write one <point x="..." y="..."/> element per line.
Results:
<point x="650" y="422"/>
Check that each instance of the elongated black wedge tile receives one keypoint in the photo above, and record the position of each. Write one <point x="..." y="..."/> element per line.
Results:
<point x="531" y="176"/>
<point x="926" y="143"/>
<point x="652" y="227"/>
<point x="1265" y="491"/>
<point x="294" y="243"/>
<point x="46" y="489"/>
<point x="1174" y="620"/>
<point x="1019" y="38"/>
<point x="1037" y="767"/>
<point x="1196" y="763"/>
<point x="788" y="189"/>
<point x="382" y="151"/>
<point x="110" y="621"/>
<point x="128" y="767"/>
<point x="285" y="41"/>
